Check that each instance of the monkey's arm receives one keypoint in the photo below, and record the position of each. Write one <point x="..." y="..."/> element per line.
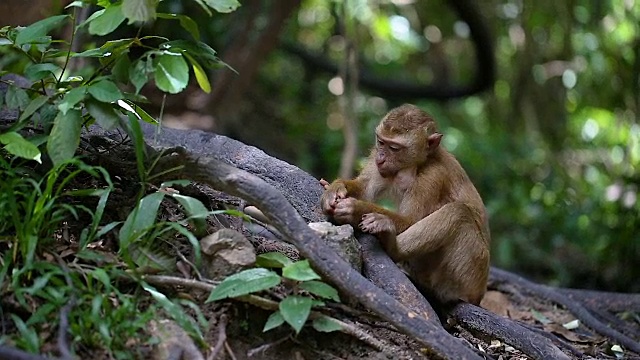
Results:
<point x="352" y="211"/>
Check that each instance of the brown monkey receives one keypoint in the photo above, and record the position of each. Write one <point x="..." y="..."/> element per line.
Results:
<point x="440" y="231"/>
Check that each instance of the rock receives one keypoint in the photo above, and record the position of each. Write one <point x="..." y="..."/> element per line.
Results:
<point x="342" y="240"/>
<point x="226" y="252"/>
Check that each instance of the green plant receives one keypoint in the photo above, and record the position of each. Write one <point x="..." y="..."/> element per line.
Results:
<point x="303" y="291"/>
<point x="31" y="210"/>
<point x="64" y="102"/>
<point x="55" y="100"/>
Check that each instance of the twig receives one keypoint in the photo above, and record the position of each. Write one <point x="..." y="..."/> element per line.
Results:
<point x="266" y="304"/>
<point x="229" y="351"/>
<point x="222" y="337"/>
<point x="366" y="337"/>
<point x="194" y="268"/>
<point x="265" y="347"/>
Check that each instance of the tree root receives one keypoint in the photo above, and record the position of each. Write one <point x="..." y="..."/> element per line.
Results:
<point x="376" y="262"/>
<point x="479" y="320"/>
<point x="499" y="277"/>
<point x="615" y="302"/>
<point x="382" y="271"/>
<point x="284" y="217"/>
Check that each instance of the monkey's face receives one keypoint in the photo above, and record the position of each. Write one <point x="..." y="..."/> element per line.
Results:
<point x="391" y="155"/>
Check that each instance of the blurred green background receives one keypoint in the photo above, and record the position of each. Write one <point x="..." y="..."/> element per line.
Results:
<point x="553" y="144"/>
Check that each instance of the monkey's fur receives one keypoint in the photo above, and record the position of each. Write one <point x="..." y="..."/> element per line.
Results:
<point x="440" y="231"/>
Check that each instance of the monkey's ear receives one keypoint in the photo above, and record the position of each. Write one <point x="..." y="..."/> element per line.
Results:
<point x="433" y="140"/>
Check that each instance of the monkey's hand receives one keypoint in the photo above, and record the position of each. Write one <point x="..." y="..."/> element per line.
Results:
<point x="349" y="211"/>
<point x="333" y="194"/>
<point x="324" y="183"/>
<point x="375" y="223"/>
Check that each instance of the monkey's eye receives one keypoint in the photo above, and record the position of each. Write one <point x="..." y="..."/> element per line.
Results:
<point x="394" y="148"/>
<point x="380" y="142"/>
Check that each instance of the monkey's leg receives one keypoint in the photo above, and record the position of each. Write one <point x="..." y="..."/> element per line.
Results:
<point x="446" y="252"/>
<point x="444" y="227"/>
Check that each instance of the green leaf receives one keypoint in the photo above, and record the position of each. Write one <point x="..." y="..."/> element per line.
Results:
<point x="204" y="7"/>
<point x="99" y="52"/>
<point x="325" y="324"/>
<point x="192" y="206"/>
<point x="19" y="146"/>
<point x="138" y="111"/>
<point x="65" y="136"/>
<point x="172" y="183"/>
<point x="102" y="276"/>
<point x="186" y="22"/>
<point x="120" y="69"/>
<point x="140" y="219"/>
<point x="16" y="98"/>
<point x="106" y="20"/>
<point x="36" y="31"/>
<point x="105" y="91"/>
<point x="33" y="106"/>
<point x="77" y="3"/>
<point x="104" y="113"/>
<point x="541" y="318"/>
<point x="245" y="282"/>
<point x="321" y="289"/>
<point x="175" y="311"/>
<point x="273" y="321"/>
<point x="171" y="72"/>
<point x="109" y="50"/>
<point x="223" y="6"/>
<point x="295" y="310"/>
<point x="201" y="75"/>
<point x="198" y="50"/>
<point x="71" y="98"/>
<point x="138" y="74"/>
<point x="301" y="271"/>
<point x="37" y="72"/>
<point x="28" y="334"/>
<point x="191" y="238"/>
<point x="273" y="260"/>
<point x="139" y="10"/>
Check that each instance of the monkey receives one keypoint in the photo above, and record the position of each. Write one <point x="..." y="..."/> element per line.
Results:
<point x="439" y="232"/>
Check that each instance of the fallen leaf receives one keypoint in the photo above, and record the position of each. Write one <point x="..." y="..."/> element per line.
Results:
<point x="497" y="303"/>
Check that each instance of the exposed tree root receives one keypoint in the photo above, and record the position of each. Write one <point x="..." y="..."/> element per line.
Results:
<point x="11" y="353"/>
<point x="424" y="326"/>
<point x="615" y="302"/>
<point x="478" y="320"/>
<point x="382" y="271"/>
<point x="385" y="273"/>
<point x="284" y="217"/>
<point x="499" y="277"/>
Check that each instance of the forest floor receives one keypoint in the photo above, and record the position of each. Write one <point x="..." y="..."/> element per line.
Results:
<point x="242" y="327"/>
<point x="235" y="326"/>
